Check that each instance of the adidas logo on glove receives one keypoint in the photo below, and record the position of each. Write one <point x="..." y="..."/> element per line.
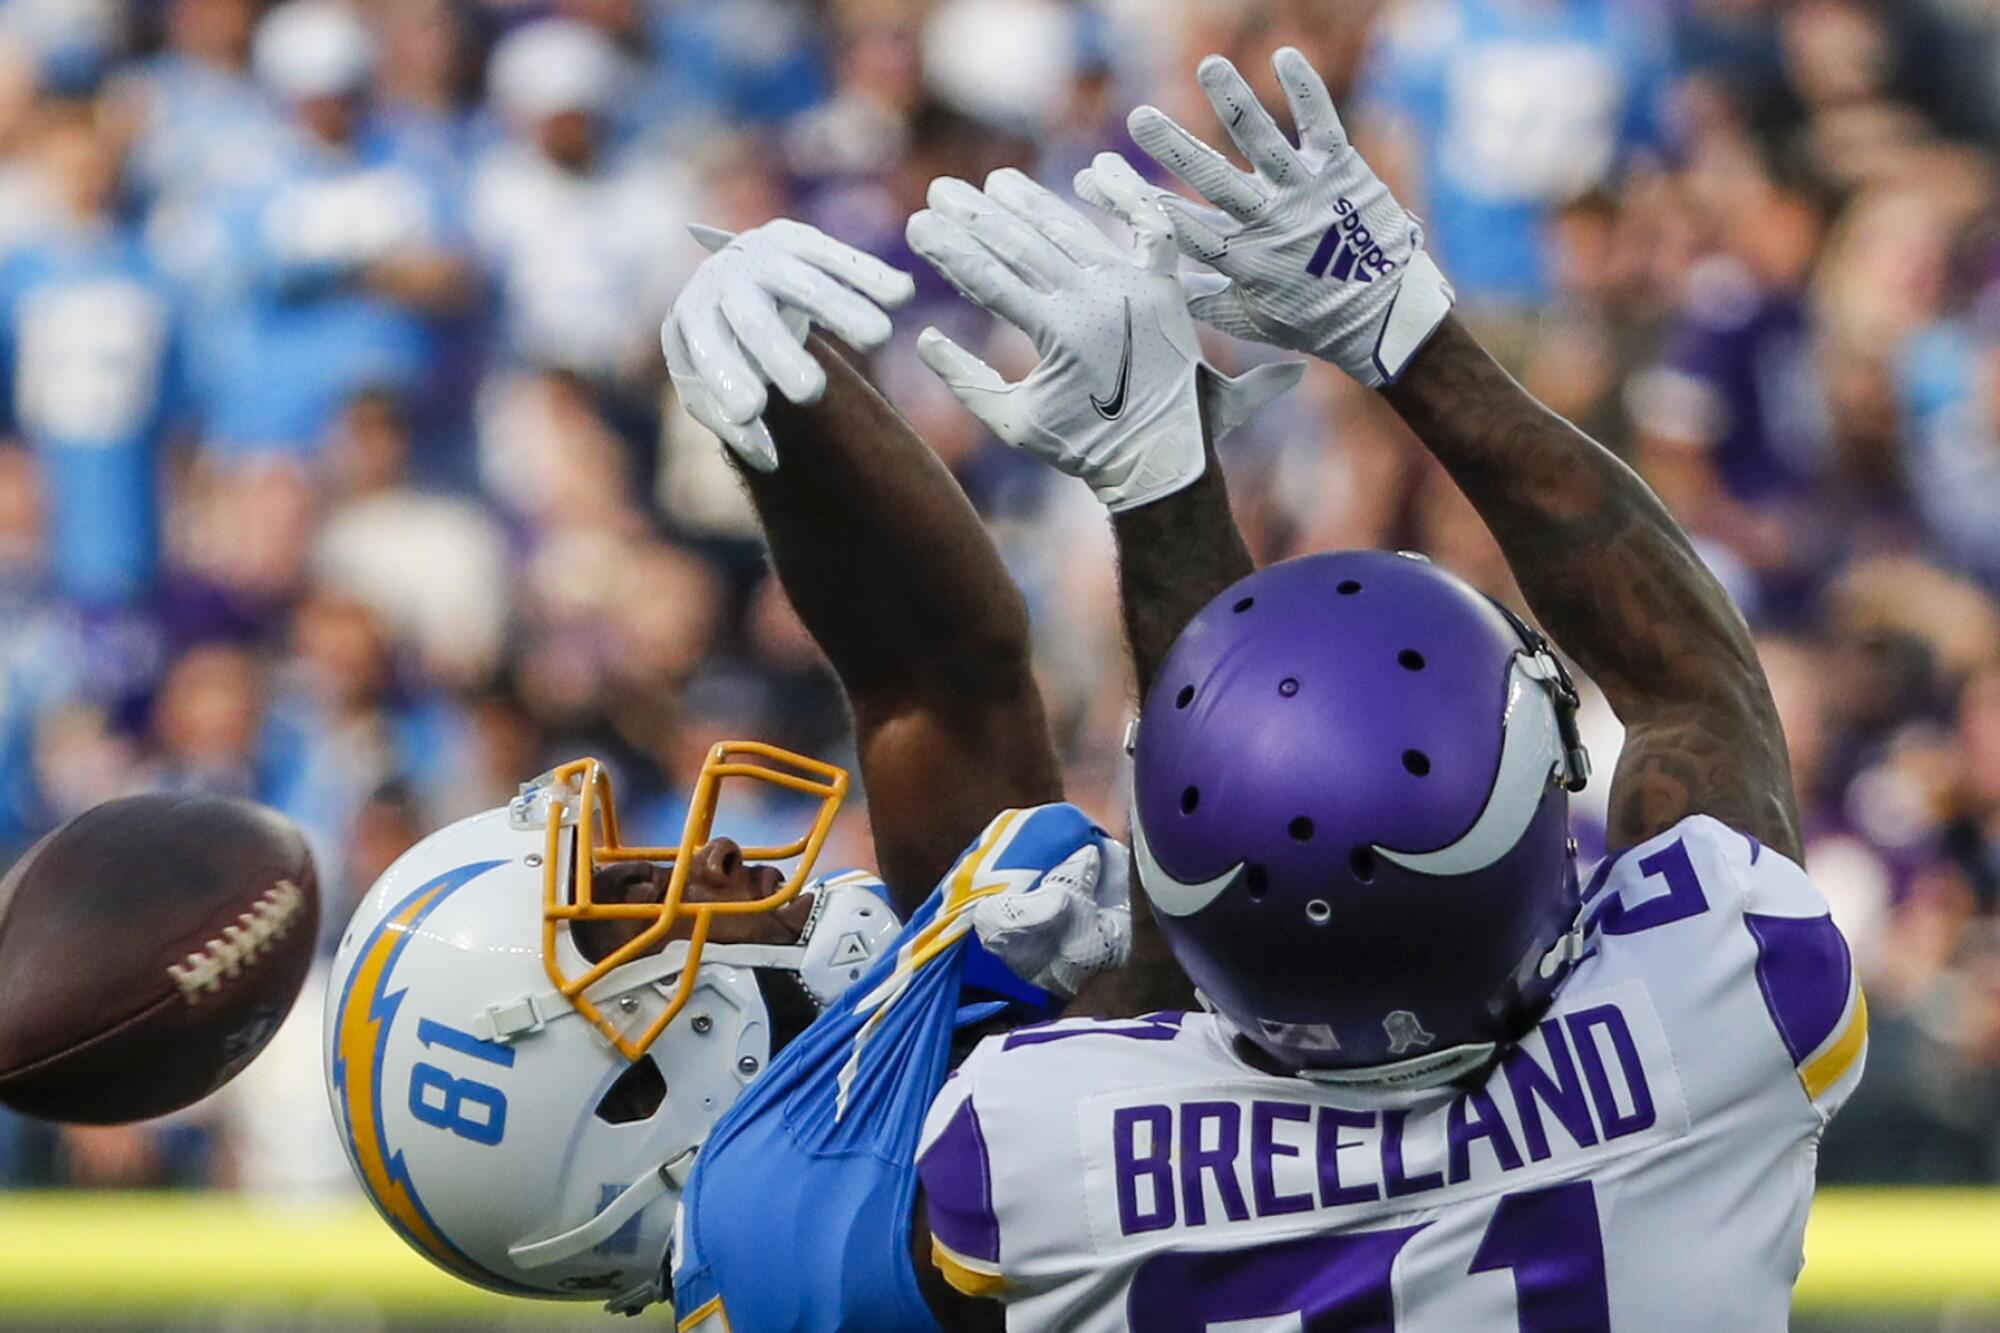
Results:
<point x="1349" y="248"/>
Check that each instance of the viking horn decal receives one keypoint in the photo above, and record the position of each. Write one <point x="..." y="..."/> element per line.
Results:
<point x="1531" y="754"/>
<point x="1172" y="896"/>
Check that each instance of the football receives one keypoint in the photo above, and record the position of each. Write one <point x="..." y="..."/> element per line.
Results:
<point x="148" y="950"/>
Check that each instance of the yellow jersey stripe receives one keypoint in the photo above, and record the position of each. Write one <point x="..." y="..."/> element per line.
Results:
<point x="967" y="1276"/>
<point x="707" y="1310"/>
<point x="1825" y="1069"/>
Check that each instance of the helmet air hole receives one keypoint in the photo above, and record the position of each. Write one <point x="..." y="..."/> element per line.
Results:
<point x="1289" y="686"/>
<point x="634" y="1095"/>
<point x="1362" y="862"/>
<point x="1410" y="659"/>
<point x="1319" y="911"/>
<point x="1190" y="798"/>
<point x="1348" y="587"/>
<point x="1185" y="697"/>
<point x="1245" y="605"/>
<point x="1256" y="881"/>
<point x="1301" y="829"/>
<point x="1417" y="762"/>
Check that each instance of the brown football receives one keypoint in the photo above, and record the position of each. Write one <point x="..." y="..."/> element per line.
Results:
<point x="148" y="950"/>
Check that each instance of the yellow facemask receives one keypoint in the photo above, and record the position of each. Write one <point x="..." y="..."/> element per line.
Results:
<point x="579" y="798"/>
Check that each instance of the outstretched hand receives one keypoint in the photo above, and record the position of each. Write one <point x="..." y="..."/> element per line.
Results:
<point x="740" y="325"/>
<point x="1311" y="252"/>
<point x="1118" y="398"/>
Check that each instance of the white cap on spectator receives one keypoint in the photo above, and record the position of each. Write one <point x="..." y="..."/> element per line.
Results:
<point x="1007" y="61"/>
<point x="552" y="66"/>
<point x="313" y="48"/>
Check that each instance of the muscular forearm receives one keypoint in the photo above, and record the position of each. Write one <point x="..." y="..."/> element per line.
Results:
<point x="1614" y="580"/>
<point x="889" y="567"/>
<point x="1174" y="556"/>
<point x="881" y="553"/>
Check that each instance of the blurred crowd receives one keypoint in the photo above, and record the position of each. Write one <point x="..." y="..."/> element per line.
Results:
<point x="338" y="468"/>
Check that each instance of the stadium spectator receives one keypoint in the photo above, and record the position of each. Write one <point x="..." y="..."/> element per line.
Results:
<point x="586" y="243"/>
<point x="90" y="354"/>
<point x="338" y="253"/>
<point x="1515" y="107"/>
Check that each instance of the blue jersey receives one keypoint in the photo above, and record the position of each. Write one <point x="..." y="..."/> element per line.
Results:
<point x="298" y="331"/>
<point x="1953" y="441"/>
<point x="203" y="127"/>
<point x="797" y="1213"/>
<point x="88" y="350"/>
<point x="1517" y="106"/>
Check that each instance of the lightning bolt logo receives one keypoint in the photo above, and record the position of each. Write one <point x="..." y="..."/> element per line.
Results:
<point x="366" y="1016"/>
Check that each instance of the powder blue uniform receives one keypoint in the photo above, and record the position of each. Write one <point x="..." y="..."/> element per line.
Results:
<point x="1643" y="1161"/>
<point x="1953" y="441"/>
<point x="90" y="357"/>
<point x="1519" y="106"/>
<point x="290" y="294"/>
<point x="797" y="1213"/>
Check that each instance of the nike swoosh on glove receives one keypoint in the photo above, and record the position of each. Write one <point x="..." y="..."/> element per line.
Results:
<point x="741" y="323"/>
<point x="1066" y="927"/>
<point x="1313" y="252"/>
<point x="1118" y="397"/>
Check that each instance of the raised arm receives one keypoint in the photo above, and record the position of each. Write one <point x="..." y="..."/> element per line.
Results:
<point x="1314" y="254"/>
<point x="1175" y="556"/>
<point x="1614" y="581"/>
<point x="1121" y="400"/>
<point x="879" y="550"/>
<point x="890" y="568"/>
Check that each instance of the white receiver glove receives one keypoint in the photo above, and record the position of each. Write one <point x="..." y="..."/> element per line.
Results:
<point x="1118" y="397"/>
<point x="1066" y="927"/>
<point x="741" y="322"/>
<point x="1313" y="251"/>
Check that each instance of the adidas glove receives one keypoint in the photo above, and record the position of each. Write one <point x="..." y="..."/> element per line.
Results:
<point x="741" y="323"/>
<point x="1118" y="397"/>
<point x="1312" y="251"/>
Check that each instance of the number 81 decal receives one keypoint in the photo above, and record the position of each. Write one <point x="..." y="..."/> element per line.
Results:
<point x="469" y="1108"/>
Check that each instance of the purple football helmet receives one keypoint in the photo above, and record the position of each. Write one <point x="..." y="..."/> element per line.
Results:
<point x="1351" y="816"/>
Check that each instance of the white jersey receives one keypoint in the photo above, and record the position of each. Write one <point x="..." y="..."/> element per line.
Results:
<point x="1642" y="1161"/>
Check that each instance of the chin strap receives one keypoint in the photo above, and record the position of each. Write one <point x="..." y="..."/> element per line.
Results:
<point x="633" y="1199"/>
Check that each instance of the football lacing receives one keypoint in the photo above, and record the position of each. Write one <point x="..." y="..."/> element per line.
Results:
<point x="239" y="945"/>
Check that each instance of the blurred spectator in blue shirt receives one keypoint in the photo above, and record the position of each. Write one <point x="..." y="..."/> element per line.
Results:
<point x="426" y="88"/>
<point x="1512" y="107"/>
<point x="344" y="250"/>
<point x="89" y="358"/>
<point x="755" y="60"/>
<point x="1950" y="381"/>
<point x="202" y="124"/>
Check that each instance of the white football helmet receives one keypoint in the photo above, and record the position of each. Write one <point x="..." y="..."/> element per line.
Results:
<point x="525" y="1116"/>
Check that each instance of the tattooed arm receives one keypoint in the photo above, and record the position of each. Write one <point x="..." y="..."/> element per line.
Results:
<point x="1607" y="570"/>
<point x="1613" y="579"/>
